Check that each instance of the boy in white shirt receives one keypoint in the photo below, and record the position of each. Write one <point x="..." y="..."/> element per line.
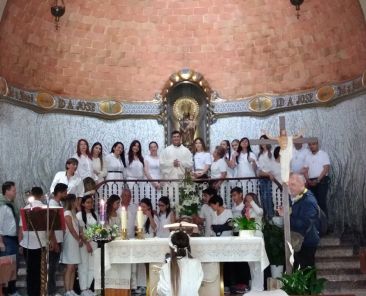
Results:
<point x="206" y="213"/>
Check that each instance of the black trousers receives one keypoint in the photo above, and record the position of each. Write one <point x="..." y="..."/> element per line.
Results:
<point x="320" y="191"/>
<point x="53" y="260"/>
<point x="33" y="261"/>
<point x="305" y="257"/>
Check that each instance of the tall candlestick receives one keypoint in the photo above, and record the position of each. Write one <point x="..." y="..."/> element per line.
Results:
<point x="140" y="218"/>
<point x="123" y="218"/>
<point x="102" y="212"/>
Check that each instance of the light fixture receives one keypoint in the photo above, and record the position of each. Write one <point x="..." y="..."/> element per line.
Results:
<point x="297" y="4"/>
<point x="58" y="10"/>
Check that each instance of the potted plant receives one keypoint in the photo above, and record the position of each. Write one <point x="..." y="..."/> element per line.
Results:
<point x="275" y="247"/>
<point x="247" y="227"/>
<point x="303" y="282"/>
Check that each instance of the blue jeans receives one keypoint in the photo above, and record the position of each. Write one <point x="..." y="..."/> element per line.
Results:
<point x="11" y="248"/>
<point x="265" y="191"/>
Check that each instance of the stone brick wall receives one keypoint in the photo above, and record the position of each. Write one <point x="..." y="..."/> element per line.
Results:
<point x="127" y="49"/>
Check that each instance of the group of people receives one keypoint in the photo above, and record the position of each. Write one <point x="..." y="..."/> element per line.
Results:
<point x="310" y="168"/>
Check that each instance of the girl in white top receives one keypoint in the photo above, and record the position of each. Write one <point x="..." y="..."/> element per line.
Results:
<point x="246" y="165"/>
<point x="218" y="167"/>
<point x="151" y="221"/>
<point x="113" y="204"/>
<point x="229" y="154"/>
<point x="135" y="169"/>
<point x="86" y="217"/>
<point x="116" y="164"/>
<point x="70" y="178"/>
<point x="70" y="248"/>
<point x="221" y="215"/>
<point x="182" y="275"/>
<point x="276" y="174"/>
<point x="201" y="159"/>
<point x="253" y="210"/>
<point x="85" y="167"/>
<point x="99" y="165"/>
<point x="152" y="172"/>
<point x="165" y="216"/>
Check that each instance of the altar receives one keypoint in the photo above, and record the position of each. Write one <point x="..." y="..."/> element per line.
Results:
<point x="120" y="254"/>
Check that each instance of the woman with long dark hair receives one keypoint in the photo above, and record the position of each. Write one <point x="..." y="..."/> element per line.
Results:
<point x="201" y="159"/>
<point x="166" y="216"/>
<point x="99" y="165"/>
<point x="183" y="275"/>
<point x="152" y="172"/>
<point x="151" y="221"/>
<point x="116" y="164"/>
<point x="113" y="204"/>
<point x="86" y="217"/>
<point x="135" y="169"/>
<point x="246" y="165"/>
<point x="85" y="167"/>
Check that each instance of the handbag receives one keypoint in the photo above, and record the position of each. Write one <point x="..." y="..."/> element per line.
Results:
<point x="296" y="240"/>
<point x="220" y="228"/>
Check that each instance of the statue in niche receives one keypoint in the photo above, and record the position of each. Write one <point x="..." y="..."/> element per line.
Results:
<point x="185" y="110"/>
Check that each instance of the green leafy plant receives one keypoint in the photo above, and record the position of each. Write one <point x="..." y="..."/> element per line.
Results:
<point x="274" y="243"/>
<point x="189" y="197"/>
<point x="98" y="232"/>
<point x="303" y="282"/>
<point x="242" y="223"/>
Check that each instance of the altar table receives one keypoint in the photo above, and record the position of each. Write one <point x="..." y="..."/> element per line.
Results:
<point x="120" y="254"/>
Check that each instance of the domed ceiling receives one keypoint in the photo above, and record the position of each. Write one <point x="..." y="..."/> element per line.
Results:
<point x="128" y="49"/>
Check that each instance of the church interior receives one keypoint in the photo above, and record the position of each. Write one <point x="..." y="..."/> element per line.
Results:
<point x="121" y="70"/>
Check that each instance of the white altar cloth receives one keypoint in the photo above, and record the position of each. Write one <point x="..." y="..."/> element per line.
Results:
<point x="205" y="249"/>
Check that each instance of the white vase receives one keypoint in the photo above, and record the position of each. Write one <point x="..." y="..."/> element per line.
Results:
<point x="276" y="271"/>
<point x="246" y="233"/>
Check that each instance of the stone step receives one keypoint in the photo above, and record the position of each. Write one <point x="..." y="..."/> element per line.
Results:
<point x="344" y="277"/>
<point x="334" y="251"/>
<point x="329" y="241"/>
<point x="355" y="292"/>
<point x="345" y="285"/>
<point x="337" y="263"/>
<point x="331" y="271"/>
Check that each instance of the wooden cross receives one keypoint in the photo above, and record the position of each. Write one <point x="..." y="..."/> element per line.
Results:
<point x="285" y="193"/>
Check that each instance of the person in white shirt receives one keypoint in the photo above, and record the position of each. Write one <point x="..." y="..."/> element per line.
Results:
<point x="298" y="157"/>
<point x="57" y="237"/>
<point x="317" y="166"/>
<point x="218" y="167"/>
<point x="165" y="216"/>
<point x="206" y="213"/>
<point x="70" y="255"/>
<point x="86" y="218"/>
<point x="246" y="165"/>
<point x="275" y="174"/>
<point x="237" y="199"/>
<point x="99" y="165"/>
<point x="182" y="275"/>
<point x="9" y="221"/>
<point x="222" y="216"/>
<point x="70" y="178"/>
<point x="229" y="156"/>
<point x="116" y="164"/>
<point x="265" y="163"/>
<point x="32" y="243"/>
<point x="85" y="166"/>
<point x="112" y="217"/>
<point x="131" y="208"/>
<point x="135" y="169"/>
<point x="201" y="160"/>
<point x="152" y="172"/>
<point x="175" y="159"/>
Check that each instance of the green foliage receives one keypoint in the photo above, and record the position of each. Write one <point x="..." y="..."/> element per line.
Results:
<point x="98" y="232"/>
<point x="242" y="223"/>
<point x="274" y="243"/>
<point x="189" y="198"/>
<point x="303" y="282"/>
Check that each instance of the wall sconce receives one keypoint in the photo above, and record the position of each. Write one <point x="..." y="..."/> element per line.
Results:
<point x="58" y="10"/>
<point x="297" y="4"/>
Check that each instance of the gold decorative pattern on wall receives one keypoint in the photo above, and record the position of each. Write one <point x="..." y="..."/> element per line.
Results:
<point x="110" y="107"/>
<point x="260" y="104"/>
<point x="3" y="87"/>
<point x="325" y="93"/>
<point x="45" y="100"/>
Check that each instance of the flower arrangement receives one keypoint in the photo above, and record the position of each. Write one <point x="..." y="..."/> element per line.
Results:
<point x="98" y="232"/>
<point x="189" y="197"/>
<point x="242" y="223"/>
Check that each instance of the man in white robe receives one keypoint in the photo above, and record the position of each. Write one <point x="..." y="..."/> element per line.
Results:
<point x="174" y="161"/>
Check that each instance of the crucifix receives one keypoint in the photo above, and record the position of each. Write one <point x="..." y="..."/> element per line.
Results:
<point x="285" y="143"/>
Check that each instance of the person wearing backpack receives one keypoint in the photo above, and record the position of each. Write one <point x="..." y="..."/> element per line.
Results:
<point x="304" y="220"/>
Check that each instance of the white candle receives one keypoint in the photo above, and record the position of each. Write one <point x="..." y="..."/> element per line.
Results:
<point x="123" y="218"/>
<point x="102" y="212"/>
<point x="140" y="218"/>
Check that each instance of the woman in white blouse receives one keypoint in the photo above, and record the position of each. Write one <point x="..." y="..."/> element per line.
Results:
<point x="152" y="172"/>
<point x="85" y="167"/>
<point x="201" y="159"/>
<point x="115" y="162"/>
<point x="218" y="167"/>
<point x="135" y="169"/>
<point x="99" y="166"/>
<point x="246" y="165"/>
<point x="166" y="216"/>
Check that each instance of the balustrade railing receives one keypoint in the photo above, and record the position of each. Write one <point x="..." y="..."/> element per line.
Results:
<point x="154" y="189"/>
